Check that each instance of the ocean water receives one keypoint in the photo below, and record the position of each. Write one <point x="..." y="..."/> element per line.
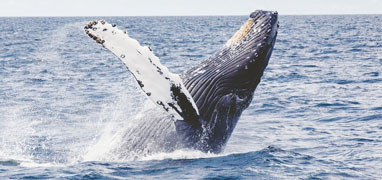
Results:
<point x="317" y="114"/>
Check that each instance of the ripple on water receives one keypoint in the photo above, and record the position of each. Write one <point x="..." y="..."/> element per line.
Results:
<point x="9" y="163"/>
<point x="317" y="107"/>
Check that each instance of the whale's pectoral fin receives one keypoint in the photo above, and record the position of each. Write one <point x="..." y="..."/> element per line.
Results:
<point x="163" y="87"/>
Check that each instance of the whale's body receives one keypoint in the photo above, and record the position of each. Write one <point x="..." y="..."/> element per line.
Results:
<point x="208" y="104"/>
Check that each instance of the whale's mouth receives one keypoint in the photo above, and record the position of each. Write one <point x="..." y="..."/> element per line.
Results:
<point x="241" y="33"/>
<point x="260" y="23"/>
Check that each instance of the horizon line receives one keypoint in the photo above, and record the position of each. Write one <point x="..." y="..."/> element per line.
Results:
<point x="185" y="15"/>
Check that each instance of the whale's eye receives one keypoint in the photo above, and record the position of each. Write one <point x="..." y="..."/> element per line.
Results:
<point x="241" y="95"/>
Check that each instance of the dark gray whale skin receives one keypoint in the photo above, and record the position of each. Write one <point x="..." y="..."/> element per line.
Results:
<point x="222" y="87"/>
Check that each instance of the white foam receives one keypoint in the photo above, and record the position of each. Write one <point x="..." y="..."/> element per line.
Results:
<point x="179" y="154"/>
<point x="115" y="118"/>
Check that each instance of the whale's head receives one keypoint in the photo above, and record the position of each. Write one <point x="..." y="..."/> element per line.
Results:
<point x="223" y="85"/>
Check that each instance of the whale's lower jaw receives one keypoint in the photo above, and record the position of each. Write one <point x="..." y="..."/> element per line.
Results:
<point x="223" y="85"/>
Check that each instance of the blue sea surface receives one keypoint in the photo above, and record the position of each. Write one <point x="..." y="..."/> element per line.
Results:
<point x="317" y="114"/>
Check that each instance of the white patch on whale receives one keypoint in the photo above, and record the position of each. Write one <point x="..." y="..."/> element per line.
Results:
<point x="154" y="78"/>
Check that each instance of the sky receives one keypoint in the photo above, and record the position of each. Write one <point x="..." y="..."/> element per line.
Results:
<point x="184" y="7"/>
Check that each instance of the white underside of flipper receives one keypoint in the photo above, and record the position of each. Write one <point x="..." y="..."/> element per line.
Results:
<point x="155" y="79"/>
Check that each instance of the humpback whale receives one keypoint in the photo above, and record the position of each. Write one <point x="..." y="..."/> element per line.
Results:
<point x="202" y="105"/>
